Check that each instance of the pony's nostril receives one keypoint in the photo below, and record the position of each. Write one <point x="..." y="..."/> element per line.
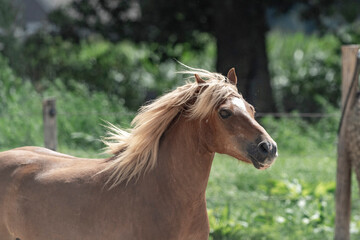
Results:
<point x="264" y="147"/>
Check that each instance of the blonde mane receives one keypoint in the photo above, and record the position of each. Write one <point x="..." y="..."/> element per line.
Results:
<point x="136" y="150"/>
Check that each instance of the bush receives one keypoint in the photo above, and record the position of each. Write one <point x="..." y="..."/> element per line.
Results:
<point x="300" y="137"/>
<point x="20" y="110"/>
<point x="125" y="69"/>
<point x="81" y="112"/>
<point x="117" y="69"/>
<point x="305" y="71"/>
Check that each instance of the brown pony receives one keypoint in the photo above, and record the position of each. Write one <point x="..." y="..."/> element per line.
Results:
<point x="153" y="187"/>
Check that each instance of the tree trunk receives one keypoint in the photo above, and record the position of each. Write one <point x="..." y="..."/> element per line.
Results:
<point x="240" y="28"/>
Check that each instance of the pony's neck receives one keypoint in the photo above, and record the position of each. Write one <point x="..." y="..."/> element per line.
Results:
<point x="184" y="161"/>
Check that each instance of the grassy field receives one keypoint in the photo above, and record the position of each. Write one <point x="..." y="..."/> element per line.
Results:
<point x="291" y="200"/>
<point x="294" y="199"/>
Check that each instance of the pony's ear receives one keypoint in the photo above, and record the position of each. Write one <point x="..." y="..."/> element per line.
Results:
<point x="199" y="80"/>
<point x="232" y="76"/>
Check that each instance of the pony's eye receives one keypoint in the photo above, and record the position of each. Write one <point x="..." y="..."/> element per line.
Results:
<point x="224" y="113"/>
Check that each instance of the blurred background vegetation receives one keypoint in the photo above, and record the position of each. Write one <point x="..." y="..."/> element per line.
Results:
<point x="103" y="59"/>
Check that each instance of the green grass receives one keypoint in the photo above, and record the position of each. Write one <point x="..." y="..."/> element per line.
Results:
<point x="294" y="199"/>
<point x="291" y="200"/>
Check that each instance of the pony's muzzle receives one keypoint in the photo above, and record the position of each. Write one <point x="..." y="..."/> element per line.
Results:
<point x="263" y="154"/>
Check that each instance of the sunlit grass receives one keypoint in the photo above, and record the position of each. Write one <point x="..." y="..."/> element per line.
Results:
<point x="294" y="199"/>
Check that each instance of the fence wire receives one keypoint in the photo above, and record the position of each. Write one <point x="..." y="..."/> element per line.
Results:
<point x="273" y="114"/>
<point x="299" y="115"/>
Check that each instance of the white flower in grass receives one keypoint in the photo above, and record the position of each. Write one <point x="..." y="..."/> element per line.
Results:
<point x="306" y="221"/>
<point x="301" y="203"/>
<point x="280" y="219"/>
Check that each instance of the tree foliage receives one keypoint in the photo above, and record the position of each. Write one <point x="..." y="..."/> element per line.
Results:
<point x="239" y="28"/>
<point x="172" y="22"/>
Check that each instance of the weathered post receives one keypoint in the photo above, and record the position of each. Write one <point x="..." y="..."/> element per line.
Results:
<point x="343" y="173"/>
<point x="49" y="121"/>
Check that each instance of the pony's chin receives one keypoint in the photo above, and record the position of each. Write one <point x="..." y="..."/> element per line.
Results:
<point x="253" y="161"/>
<point x="259" y="165"/>
<point x="262" y="167"/>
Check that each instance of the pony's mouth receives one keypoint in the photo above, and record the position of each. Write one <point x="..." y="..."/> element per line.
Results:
<point x="259" y="165"/>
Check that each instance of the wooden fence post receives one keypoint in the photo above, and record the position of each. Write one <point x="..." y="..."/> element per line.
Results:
<point x="49" y="121"/>
<point x="343" y="173"/>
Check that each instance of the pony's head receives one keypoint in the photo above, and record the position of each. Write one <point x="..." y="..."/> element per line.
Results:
<point x="230" y="127"/>
<point x="226" y="120"/>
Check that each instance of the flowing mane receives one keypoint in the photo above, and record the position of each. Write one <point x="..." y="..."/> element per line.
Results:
<point x="136" y="150"/>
